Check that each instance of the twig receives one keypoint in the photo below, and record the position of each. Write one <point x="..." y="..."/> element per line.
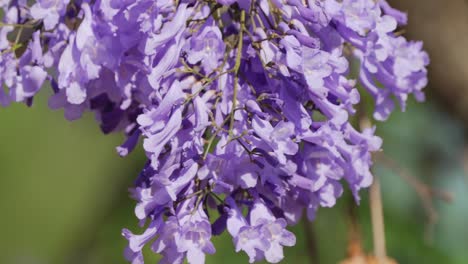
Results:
<point x="236" y="71"/>
<point x="422" y="188"/>
<point x="426" y="193"/>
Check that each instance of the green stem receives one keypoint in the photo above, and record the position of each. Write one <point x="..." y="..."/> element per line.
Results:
<point x="236" y="71"/>
<point x="16" y="25"/>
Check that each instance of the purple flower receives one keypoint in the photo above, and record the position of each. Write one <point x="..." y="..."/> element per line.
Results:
<point x="10" y="17"/>
<point x="263" y="236"/>
<point x="359" y="15"/>
<point x="49" y="11"/>
<point x="279" y="138"/>
<point x="29" y="82"/>
<point x="237" y="112"/>
<point x="315" y="68"/>
<point x="162" y="123"/>
<point x="206" y="47"/>
<point x="187" y="234"/>
<point x="7" y="75"/>
<point x="410" y="61"/>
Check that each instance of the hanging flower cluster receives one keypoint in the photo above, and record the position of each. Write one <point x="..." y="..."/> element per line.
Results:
<point x="244" y="106"/>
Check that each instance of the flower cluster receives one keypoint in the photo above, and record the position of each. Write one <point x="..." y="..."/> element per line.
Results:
<point x="245" y="107"/>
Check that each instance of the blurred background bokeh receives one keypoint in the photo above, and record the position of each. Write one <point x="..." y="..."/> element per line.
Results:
<point x="64" y="198"/>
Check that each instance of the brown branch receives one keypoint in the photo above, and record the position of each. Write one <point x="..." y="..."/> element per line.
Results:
<point x="376" y="208"/>
<point x="311" y="241"/>
<point x="354" y="232"/>
<point x="356" y="254"/>
<point x="377" y="218"/>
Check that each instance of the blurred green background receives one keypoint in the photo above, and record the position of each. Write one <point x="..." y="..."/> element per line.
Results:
<point x="63" y="188"/>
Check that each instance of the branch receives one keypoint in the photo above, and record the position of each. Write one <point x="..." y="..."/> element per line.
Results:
<point x="376" y="208"/>
<point x="311" y="241"/>
<point x="378" y="227"/>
